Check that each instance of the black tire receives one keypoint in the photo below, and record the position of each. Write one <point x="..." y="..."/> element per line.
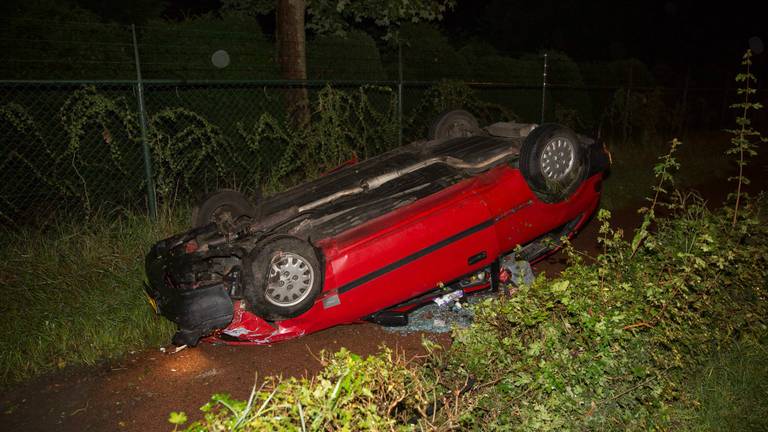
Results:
<point x="264" y="291"/>
<point x="222" y="206"/>
<point x="453" y="124"/>
<point x="553" y="162"/>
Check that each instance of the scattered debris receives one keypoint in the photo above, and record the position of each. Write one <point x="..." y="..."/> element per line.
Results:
<point x="447" y="299"/>
<point x="518" y="272"/>
<point x="172" y="349"/>
<point x="79" y="410"/>
<point x="440" y="319"/>
<point x="207" y="374"/>
<point x="449" y="310"/>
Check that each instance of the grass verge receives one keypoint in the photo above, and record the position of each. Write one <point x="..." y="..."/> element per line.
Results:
<point x="732" y="389"/>
<point x="73" y="294"/>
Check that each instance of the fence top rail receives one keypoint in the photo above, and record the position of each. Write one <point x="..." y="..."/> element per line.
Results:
<point x="201" y="82"/>
<point x="317" y="83"/>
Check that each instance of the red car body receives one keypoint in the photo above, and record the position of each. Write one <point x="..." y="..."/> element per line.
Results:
<point x="377" y="253"/>
<point x="399" y="256"/>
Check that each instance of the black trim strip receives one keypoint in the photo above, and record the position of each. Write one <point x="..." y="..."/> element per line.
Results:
<point x="414" y="256"/>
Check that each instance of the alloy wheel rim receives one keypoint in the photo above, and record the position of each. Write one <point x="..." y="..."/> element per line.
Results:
<point x="557" y="158"/>
<point x="289" y="280"/>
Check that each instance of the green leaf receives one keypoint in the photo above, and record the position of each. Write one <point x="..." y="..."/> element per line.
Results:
<point x="177" y="418"/>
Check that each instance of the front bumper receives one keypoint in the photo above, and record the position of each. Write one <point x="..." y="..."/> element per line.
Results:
<point x="198" y="307"/>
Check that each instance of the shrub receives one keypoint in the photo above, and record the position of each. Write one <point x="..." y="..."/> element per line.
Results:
<point x="566" y="89"/>
<point x="183" y="49"/>
<point x="351" y="57"/>
<point x="376" y="393"/>
<point x="63" y="161"/>
<point x="426" y="55"/>
<point x="607" y="346"/>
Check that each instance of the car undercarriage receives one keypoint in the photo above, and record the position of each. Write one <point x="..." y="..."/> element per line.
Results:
<point x="282" y="260"/>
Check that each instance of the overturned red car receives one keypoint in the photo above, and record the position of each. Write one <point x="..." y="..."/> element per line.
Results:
<point x="375" y="239"/>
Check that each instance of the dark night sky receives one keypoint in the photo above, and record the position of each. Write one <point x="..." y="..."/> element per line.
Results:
<point x="654" y="31"/>
<point x="682" y="31"/>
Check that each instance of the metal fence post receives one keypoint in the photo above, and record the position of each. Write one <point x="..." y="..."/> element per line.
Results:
<point x="399" y="92"/>
<point x="151" y="195"/>
<point x="544" y="89"/>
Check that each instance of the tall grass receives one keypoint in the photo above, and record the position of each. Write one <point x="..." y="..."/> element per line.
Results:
<point x="73" y="294"/>
<point x="732" y="389"/>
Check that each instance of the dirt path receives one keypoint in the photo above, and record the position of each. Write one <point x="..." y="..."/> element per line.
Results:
<point x="138" y="392"/>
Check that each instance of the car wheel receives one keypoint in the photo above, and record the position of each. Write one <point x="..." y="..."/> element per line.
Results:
<point x="553" y="162"/>
<point x="453" y="124"/>
<point x="222" y="206"/>
<point x="282" y="279"/>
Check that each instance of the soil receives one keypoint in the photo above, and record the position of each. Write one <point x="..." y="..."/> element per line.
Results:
<point x="138" y="392"/>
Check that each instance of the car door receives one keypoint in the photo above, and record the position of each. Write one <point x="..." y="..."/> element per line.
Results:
<point x="410" y="251"/>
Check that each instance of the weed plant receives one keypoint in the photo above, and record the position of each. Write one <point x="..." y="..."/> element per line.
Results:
<point x="745" y="138"/>
<point x="631" y="173"/>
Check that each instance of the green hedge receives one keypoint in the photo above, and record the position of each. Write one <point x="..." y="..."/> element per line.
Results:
<point x="427" y="56"/>
<point x="353" y="57"/>
<point x="183" y="49"/>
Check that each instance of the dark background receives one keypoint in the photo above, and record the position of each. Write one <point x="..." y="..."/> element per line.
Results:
<point x="655" y="32"/>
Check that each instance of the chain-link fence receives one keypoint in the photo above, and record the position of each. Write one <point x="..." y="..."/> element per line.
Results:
<point x="75" y="147"/>
<point x="78" y="146"/>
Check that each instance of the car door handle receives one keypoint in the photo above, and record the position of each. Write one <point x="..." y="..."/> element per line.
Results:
<point x="476" y="258"/>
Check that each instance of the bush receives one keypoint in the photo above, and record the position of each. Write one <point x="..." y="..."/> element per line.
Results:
<point x="523" y="74"/>
<point x="617" y="74"/>
<point x="37" y="35"/>
<point x="62" y="161"/>
<point x="182" y="50"/>
<point x="351" y="393"/>
<point x="426" y="55"/>
<point x="608" y="345"/>
<point x="352" y="57"/>
<point x="567" y="92"/>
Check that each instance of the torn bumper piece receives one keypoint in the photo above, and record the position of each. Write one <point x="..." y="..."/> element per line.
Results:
<point x="196" y="310"/>
<point x="198" y="313"/>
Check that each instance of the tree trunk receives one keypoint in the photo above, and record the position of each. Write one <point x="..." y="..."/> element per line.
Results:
<point x="292" y="56"/>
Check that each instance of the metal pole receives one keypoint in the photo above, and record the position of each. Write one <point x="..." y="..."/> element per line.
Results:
<point x="151" y="196"/>
<point x="544" y="89"/>
<point x="399" y="92"/>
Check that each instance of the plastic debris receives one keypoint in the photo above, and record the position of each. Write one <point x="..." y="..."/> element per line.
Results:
<point x="519" y="271"/>
<point x="449" y="298"/>
<point x="172" y="349"/>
